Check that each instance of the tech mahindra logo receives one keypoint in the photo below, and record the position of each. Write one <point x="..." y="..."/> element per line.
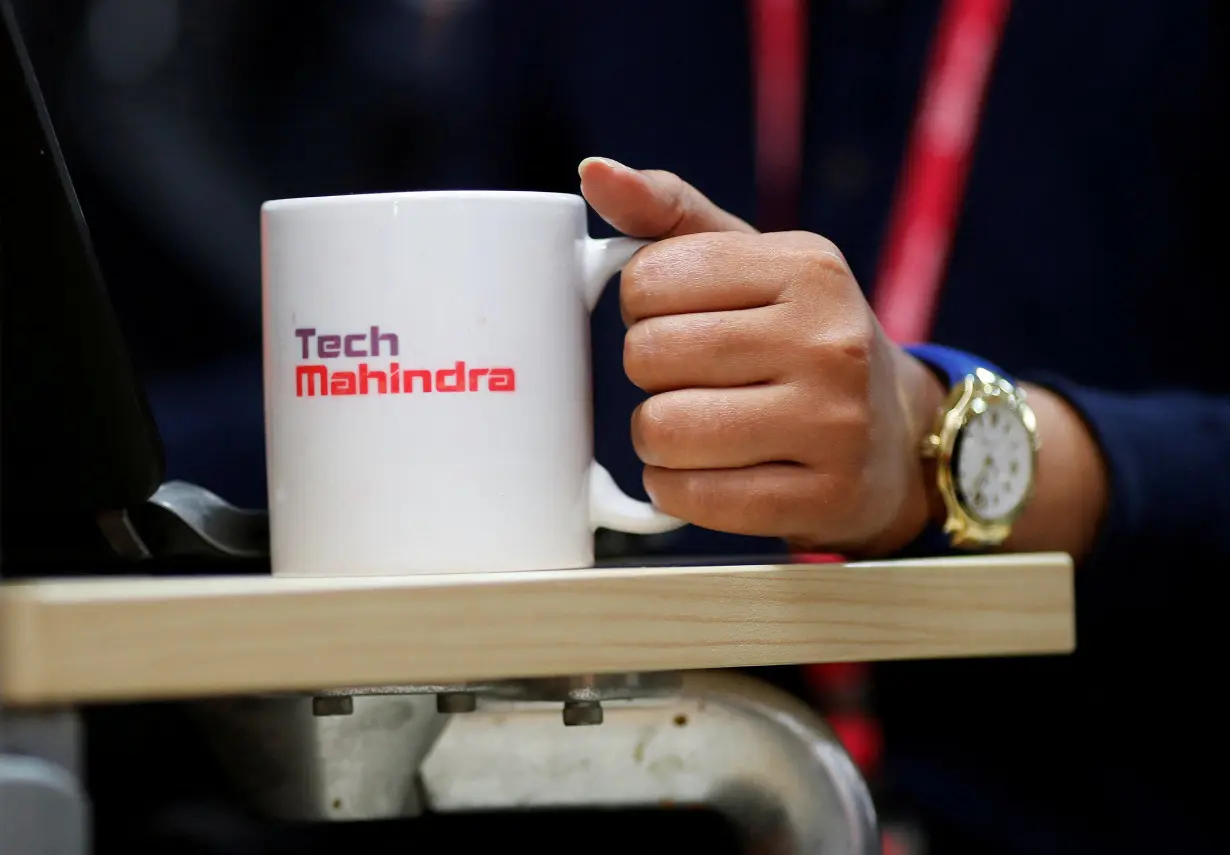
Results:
<point x="390" y="378"/>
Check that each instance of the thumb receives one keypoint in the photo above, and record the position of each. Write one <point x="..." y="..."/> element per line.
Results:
<point x="651" y="203"/>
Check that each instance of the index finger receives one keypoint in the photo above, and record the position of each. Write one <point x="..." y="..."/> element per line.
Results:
<point x="710" y="272"/>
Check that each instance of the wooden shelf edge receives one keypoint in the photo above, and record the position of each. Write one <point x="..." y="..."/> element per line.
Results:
<point x="101" y="640"/>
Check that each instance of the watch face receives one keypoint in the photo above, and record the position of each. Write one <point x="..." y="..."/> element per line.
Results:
<point x="993" y="461"/>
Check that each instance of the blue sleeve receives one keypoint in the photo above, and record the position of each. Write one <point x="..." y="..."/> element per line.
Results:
<point x="1168" y="518"/>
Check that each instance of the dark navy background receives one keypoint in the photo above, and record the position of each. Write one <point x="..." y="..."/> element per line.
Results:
<point x="1088" y="254"/>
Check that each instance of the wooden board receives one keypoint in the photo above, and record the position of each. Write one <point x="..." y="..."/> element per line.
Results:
<point x="145" y="638"/>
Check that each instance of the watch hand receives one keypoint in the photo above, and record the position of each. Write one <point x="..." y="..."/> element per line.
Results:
<point x="983" y="475"/>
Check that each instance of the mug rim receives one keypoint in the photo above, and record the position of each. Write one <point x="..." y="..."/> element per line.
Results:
<point x="348" y="199"/>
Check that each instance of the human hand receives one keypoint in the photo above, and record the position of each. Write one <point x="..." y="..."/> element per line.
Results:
<point x="778" y="406"/>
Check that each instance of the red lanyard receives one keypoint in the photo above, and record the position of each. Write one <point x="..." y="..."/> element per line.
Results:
<point x="779" y="48"/>
<point x="932" y="180"/>
<point x="920" y="226"/>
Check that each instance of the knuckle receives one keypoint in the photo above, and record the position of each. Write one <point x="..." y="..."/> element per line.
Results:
<point x="662" y="175"/>
<point x="815" y="351"/>
<point x="650" y="274"/>
<point x="840" y="496"/>
<point x="856" y="352"/>
<point x="817" y="273"/>
<point x="699" y="497"/>
<point x="711" y="338"/>
<point x="639" y="354"/>
<point x="848" y="354"/>
<point x="855" y="355"/>
<point x="636" y="283"/>
<point x="677" y="191"/>
<point x="825" y="252"/>
<point x="837" y="437"/>
<point x="685" y="494"/>
<point x="654" y="260"/>
<point x="858" y="344"/>
<point x="770" y="511"/>
<point x="817" y="257"/>
<point x="856" y="422"/>
<point x="656" y="433"/>
<point x="814" y="511"/>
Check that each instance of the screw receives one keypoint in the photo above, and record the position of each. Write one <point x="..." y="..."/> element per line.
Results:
<point x="332" y="705"/>
<point x="456" y="702"/>
<point x="579" y="713"/>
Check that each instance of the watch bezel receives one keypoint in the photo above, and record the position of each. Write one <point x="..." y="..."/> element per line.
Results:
<point x="973" y="395"/>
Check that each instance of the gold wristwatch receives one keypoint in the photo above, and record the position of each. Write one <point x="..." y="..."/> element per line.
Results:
<point x="985" y="446"/>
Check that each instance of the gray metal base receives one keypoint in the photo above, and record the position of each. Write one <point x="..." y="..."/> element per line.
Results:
<point x="722" y="741"/>
<point x="44" y="809"/>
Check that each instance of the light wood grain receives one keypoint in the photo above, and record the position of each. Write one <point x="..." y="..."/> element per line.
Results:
<point x="143" y="638"/>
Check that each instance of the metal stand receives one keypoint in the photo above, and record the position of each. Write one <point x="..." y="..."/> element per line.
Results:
<point x="722" y="741"/>
<point x="44" y="809"/>
<point x="718" y="740"/>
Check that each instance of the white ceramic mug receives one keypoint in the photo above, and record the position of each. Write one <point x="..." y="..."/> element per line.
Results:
<point x="427" y="384"/>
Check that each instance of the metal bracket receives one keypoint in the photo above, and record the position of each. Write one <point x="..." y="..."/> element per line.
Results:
<point x="581" y="695"/>
<point x="722" y="741"/>
<point x="182" y="519"/>
<point x="122" y="536"/>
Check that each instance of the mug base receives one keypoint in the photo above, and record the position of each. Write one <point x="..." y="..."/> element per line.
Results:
<point x="443" y="568"/>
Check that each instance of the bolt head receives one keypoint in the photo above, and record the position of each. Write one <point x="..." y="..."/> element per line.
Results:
<point x="582" y="713"/>
<point x="456" y="702"/>
<point x="332" y="705"/>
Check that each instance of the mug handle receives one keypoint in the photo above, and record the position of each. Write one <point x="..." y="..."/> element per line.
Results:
<point x="609" y="506"/>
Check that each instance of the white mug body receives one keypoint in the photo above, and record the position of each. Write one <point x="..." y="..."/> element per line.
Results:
<point x="427" y="383"/>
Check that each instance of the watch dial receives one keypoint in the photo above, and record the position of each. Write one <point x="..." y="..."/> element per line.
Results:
<point x="994" y="463"/>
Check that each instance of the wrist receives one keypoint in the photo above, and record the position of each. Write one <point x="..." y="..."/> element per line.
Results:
<point x="922" y="396"/>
